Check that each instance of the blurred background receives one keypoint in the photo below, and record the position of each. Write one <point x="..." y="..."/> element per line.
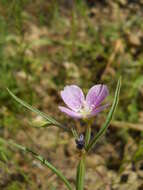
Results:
<point x="45" y="45"/>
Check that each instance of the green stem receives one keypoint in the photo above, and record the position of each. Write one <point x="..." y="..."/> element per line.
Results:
<point x="80" y="174"/>
<point x="87" y="136"/>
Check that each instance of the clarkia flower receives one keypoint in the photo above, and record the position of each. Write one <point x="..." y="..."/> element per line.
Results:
<point x="80" y="107"/>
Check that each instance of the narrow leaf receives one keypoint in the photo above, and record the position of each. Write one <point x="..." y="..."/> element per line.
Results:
<point x="42" y="114"/>
<point x="80" y="174"/>
<point x="47" y="124"/>
<point x="108" y="119"/>
<point x="74" y="132"/>
<point x="43" y="124"/>
<point x="43" y="161"/>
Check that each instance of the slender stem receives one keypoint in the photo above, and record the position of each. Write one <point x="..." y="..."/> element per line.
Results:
<point x="87" y="136"/>
<point x="80" y="173"/>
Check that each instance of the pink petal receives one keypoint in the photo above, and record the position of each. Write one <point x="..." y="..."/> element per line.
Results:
<point x="99" y="109"/>
<point x="96" y="95"/>
<point x="70" y="112"/>
<point x="73" y="97"/>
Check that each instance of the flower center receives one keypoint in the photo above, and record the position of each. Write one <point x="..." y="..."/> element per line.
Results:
<point x="85" y="110"/>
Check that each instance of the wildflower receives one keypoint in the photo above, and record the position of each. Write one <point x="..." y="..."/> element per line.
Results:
<point x="81" y="107"/>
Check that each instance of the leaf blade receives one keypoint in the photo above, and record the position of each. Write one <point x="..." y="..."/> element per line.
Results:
<point x="35" y="110"/>
<point x="41" y="159"/>
<point x="109" y="117"/>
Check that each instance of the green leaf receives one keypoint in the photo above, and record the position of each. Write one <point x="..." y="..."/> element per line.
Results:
<point x="41" y="159"/>
<point x="46" y="124"/>
<point x="40" y="124"/>
<point x="108" y="119"/>
<point x="80" y="174"/>
<point x="74" y="132"/>
<point x="42" y="114"/>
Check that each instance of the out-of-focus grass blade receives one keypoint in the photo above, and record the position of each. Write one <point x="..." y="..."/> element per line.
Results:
<point x="80" y="174"/>
<point x="42" y="114"/>
<point x="3" y="156"/>
<point x="3" y="152"/>
<point x="109" y="117"/>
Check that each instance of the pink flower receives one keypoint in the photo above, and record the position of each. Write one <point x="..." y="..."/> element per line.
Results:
<point x="80" y="107"/>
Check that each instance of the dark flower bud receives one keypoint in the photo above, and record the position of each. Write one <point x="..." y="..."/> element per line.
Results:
<point x="80" y="142"/>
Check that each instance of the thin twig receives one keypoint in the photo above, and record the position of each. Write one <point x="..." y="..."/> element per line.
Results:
<point x="123" y="124"/>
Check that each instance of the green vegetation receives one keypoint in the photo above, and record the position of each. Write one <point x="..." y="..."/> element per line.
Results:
<point x="45" y="45"/>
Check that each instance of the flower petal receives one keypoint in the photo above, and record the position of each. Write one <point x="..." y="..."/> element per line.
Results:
<point x="96" y="95"/>
<point x="99" y="109"/>
<point x="70" y="112"/>
<point x="73" y="97"/>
